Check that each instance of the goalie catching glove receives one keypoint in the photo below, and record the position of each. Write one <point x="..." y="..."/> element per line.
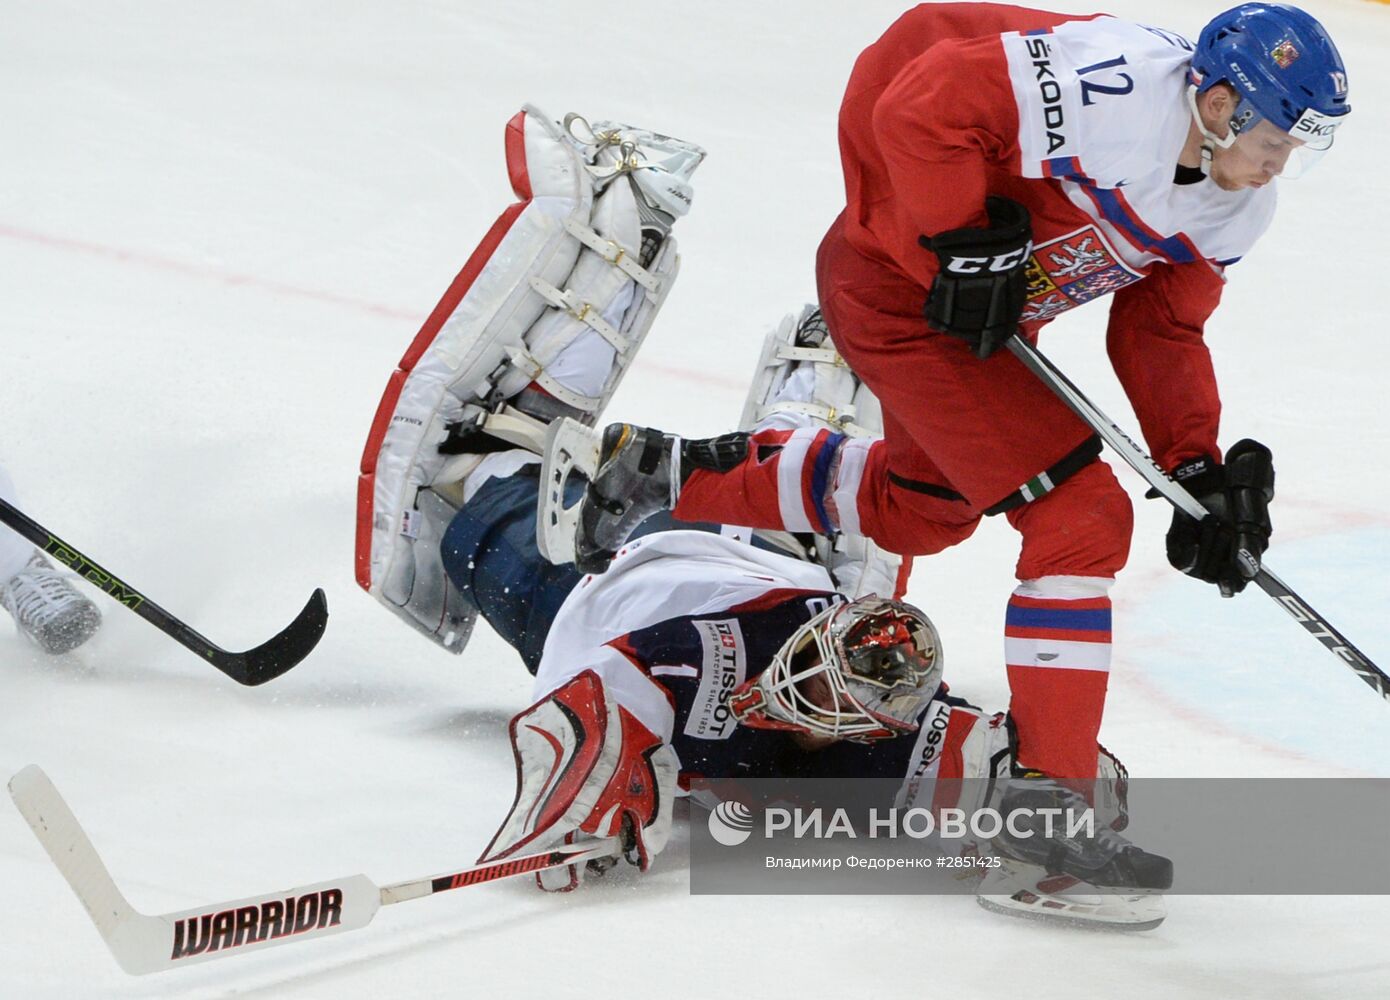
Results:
<point x="586" y="766"/>
<point x="1226" y="546"/>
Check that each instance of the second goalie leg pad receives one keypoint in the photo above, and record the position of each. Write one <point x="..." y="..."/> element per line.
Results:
<point x="802" y="381"/>
<point x="586" y="766"/>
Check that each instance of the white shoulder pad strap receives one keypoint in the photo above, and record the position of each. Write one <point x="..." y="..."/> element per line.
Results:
<point x="577" y="267"/>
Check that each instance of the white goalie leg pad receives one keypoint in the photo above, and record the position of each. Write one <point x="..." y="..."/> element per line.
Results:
<point x="434" y="606"/>
<point x="585" y="765"/>
<point x="560" y="295"/>
<point x="801" y="380"/>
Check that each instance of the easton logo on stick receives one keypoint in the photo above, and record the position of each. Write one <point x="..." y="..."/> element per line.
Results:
<point x="93" y="573"/>
<point x="274" y="918"/>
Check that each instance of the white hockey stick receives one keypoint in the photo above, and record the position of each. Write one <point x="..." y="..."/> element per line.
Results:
<point x="143" y="943"/>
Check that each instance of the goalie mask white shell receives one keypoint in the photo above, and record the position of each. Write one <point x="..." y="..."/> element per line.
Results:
<point x="860" y="670"/>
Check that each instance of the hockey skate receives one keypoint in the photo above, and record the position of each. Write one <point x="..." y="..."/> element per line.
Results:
<point x="632" y="473"/>
<point x="1017" y="889"/>
<point x="634" y="479"/>
<point x="1097" y="855"/>
<point x="47" y="608"/>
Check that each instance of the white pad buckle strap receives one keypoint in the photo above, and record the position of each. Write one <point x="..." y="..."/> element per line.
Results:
<point x="621" y="257"/>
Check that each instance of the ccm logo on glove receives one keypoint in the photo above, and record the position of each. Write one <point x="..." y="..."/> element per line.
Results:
<point x="1226" y="546"/>
<point x="1003" y="262"/>
<point x="982" y="285"/>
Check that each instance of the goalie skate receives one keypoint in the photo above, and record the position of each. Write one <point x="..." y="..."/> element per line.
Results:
<point x="1017" y="889"/>
<point x="571" y="449"/>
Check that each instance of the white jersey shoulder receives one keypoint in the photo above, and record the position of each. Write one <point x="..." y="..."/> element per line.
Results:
<point x="1102" y="108"/>
<point x="661" y="576"/>
<point x="1094" y="95"/>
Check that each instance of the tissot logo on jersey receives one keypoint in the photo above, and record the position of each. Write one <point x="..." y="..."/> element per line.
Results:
<point x="274" y="918"/>
<point x="931" y="737"/>
<point x="723" y="668"/>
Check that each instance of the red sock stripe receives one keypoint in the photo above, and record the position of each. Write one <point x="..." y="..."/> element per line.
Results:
<point x="1064" y="634"/>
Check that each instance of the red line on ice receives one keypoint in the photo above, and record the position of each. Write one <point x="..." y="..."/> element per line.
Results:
<point x="226" y="277"/>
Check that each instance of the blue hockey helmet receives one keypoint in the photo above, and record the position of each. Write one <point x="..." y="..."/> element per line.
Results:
<point x="1284" y="67"/>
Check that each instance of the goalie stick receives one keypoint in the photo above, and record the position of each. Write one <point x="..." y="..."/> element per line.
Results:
<point x="255" y="666"/>
<point x="1140" y="460"/>
<point x="142" y="943"/>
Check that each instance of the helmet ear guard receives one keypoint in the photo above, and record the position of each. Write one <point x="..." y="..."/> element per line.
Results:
<point x="861" y="670"/>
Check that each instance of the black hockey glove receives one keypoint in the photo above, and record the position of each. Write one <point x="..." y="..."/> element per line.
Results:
<point x="979" y="293"/>
<point x="1225" y="547"/>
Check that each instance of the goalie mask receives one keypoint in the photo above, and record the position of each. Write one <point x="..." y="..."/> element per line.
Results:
<point x="862" y="670"/>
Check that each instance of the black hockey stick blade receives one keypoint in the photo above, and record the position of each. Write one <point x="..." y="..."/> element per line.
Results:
<point x="272" y="658"/>
<point x="255" y="666"/>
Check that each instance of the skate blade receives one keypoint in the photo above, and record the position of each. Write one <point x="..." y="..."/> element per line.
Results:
<point x="1119" y="914"/>
<point x="570" y="449"/>
<point x="1018" y="889"/>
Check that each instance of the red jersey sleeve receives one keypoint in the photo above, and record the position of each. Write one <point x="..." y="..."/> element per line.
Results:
<point x="1156" y="346"/>
<point x="947" y="117"/>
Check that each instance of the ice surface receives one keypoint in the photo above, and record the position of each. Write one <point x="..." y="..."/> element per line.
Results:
<point x="220" y="225"/>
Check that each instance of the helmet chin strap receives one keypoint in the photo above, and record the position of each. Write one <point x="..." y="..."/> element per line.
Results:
<point x="1210" y="140"/>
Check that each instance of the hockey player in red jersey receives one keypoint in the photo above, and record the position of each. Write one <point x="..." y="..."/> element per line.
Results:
<point x="1003" y="165"/>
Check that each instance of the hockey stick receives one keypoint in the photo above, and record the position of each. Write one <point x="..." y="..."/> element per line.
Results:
<point x="1169" y="489"/>
<point x="255" y="666"/>
<point x="143" y="943"/>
